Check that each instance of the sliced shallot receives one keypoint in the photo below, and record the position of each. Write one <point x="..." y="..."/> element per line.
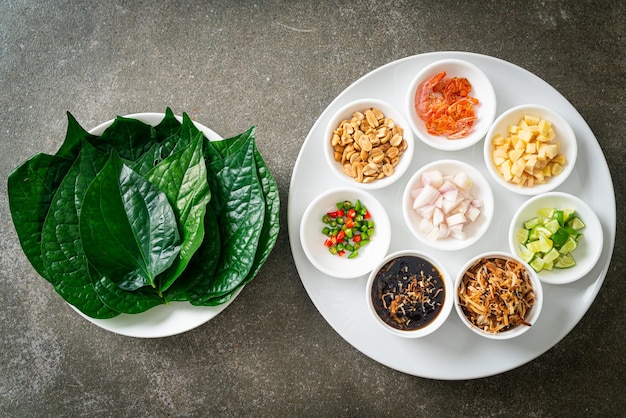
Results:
<point x="445" y="204"/>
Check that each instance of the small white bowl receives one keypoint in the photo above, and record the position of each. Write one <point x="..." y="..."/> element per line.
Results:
<point x="312" y="238"/>
<point x="345" y="113"/>
<point x="589" y="248"/>
<point x="564" y="136"/>
<point x="445" y="307"/>
<point x="531" y="316"/>
<point x="480" y="190"/>
<point x="482" y="89"/>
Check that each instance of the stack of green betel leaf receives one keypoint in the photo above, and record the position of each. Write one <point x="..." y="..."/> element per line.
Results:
<point x="146" y="215"/>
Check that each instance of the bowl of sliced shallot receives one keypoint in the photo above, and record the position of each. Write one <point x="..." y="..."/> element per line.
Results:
<point x="450" y="104"/>
<point x="448" y="205"/>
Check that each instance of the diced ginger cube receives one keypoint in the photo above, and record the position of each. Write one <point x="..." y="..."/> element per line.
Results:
<point x="559" y="159"/>
<point x="522" y="124"/>
<point x="547" y="171"/>
<point x="544" y="127"/>
<point x="550" y="135"/>
<point x="532" y="119"/>
<point x="499" y="153"/>
<point x="497" y="140"/>
<point x="498" y="160"/>
<point x="531" y="148"/>
<point x="556" y="169"/>
<point x="518" y="167"/>
<point x="531" y="162"/>
<point x="505" y="170"/>
<point x="513" y="129"/>
<point x="551" y="150"/>
<point x="525" y="135"/>
<point x="541" y="151"/>
<point x="515" y="155"/>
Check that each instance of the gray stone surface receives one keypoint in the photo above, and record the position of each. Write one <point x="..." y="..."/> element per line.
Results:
<point x="277" y="65"/>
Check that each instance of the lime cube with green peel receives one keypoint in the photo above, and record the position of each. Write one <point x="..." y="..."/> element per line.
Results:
<point x="576" y="223"/>
<point x="529" y="224"/>
<point x="565" y="261"/>
<point x="545" y="212"/>
<point x="552" y="225"/>
<point x="526" y="255"/>
<point x="548" y="239"/>
<point x="522" y="235"/>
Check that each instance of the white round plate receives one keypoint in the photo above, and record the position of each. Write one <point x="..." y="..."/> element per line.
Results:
<point x="162" y="320"/>
<point x="453" y="352"/>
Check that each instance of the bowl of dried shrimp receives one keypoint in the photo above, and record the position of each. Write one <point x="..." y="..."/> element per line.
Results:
<point x="368" y="144"/>
<point x="530" y="149"/>
<point x="498" y="296"/>
<point x="448" y="205"/>
<point x="451" y="104"/>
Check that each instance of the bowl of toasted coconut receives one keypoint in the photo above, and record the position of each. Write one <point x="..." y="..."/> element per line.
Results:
<point x="498" y="296"/>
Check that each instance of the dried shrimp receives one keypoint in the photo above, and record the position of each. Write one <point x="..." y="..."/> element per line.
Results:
<point x="446" y="107"/>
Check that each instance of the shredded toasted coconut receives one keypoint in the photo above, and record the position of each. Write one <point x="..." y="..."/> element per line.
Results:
<point x="496" y="294"/>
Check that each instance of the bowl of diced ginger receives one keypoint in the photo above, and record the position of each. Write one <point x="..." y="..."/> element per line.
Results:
<point x="530" y="149"/>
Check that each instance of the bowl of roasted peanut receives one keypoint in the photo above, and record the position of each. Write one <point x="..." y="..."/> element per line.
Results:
<point x="368" y="144"/>
<point x="530" y="149"/>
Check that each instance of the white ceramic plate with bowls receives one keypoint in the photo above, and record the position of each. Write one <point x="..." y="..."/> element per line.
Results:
<point x="453" y="352"/>
<point x="162" y="320"/>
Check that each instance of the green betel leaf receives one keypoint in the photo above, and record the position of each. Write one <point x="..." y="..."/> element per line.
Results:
<point x="62" y="250"/>
<point x="124" y="301"/>
<point x="183" y="179"/>
<point x="238" y="202"/>
<point x="31" y="187"/>
<point x="128" y="227"/>
<point x="177" y="140"/>
<point x="271" y="223"/>
<point x="200" y="270"/>
<point x="168" y="126"/>
<point x="129" y="137"/>
<point x="74" y="137"/>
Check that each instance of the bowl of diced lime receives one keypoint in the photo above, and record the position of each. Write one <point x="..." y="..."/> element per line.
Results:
<point x="558" y="235"/>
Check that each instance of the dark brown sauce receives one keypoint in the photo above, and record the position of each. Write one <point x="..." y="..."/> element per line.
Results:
<point x="408" y="293"/>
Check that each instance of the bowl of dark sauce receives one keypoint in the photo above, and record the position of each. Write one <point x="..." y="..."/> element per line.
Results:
<point x="410" y="294"/>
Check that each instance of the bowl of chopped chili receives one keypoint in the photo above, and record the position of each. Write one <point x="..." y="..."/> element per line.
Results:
<point x="450" y="104"/>
<point x="498" y="296"/>
<point x="345" y="232"/>
<point x="410" y="294"/>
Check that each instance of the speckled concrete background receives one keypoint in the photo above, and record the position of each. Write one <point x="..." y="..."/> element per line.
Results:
<point x="277" y="65"/>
